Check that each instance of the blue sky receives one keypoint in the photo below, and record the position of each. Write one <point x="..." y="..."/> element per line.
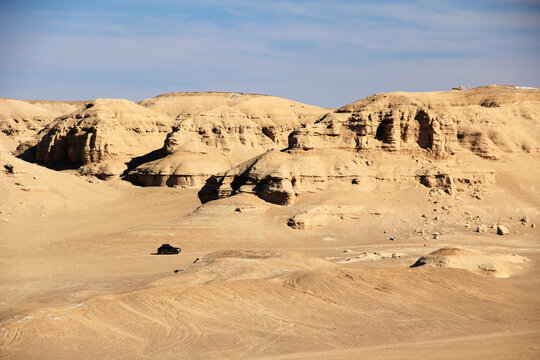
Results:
<point x="325" y="53"/>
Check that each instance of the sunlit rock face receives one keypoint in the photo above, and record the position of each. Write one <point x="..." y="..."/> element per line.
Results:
<point x="427" y="133"/>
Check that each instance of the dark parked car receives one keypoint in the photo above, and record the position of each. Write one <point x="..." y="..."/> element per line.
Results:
<point x="168" y="249"/>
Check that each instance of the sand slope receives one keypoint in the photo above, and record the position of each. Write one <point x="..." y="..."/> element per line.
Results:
<point x="271" y="301"/>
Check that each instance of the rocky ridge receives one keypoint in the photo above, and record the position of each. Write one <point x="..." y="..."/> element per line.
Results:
<point x="229" y="143"/>
<point x="236" y="113"/>
<point x="217" y="131"/>
<point x="432" y="134"/>
<point x="440" y="123"/>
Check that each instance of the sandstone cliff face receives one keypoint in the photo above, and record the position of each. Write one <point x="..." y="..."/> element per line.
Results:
<point x="279" y="149"/>
<point x="482" y="120"/>
<point x="104" y="129"/>
<point x="183" y="168"/>
<point x="280" y="177"/>
<point x="217" y="131"/>
<point x="196" y="149"/>
<point x="212" y="132"/>
<point x="277" y="177"/>
<point x="429" y="133"/>
<point x="227" y="131"/>
<point x="270" y="116"/>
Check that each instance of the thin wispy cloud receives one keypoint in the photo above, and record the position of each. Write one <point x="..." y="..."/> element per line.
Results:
<point x="320" y="52"/>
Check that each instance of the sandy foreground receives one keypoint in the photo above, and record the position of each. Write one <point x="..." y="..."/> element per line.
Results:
<point x="83" y="283"/>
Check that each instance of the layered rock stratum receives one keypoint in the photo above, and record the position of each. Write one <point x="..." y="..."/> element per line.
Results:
<point x="103" y="130"/>
<point x="226" y="143"/>
<point x="217" y="131"/>
<point x="432" y="135"/>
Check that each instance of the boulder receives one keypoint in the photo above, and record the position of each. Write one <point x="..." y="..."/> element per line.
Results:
<point x="502" y="230"/>
<point x="482" y="229"/>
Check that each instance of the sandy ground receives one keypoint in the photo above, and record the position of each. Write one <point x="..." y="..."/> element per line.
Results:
<point x="81" y="281"/>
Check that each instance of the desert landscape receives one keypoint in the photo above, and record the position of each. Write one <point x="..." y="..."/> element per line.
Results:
<point x="402" y="225"/>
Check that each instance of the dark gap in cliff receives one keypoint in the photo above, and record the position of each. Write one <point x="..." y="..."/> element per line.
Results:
<point x="425" y="132"/>
<point x="404" y="131"/>
<point x="384" y="131"/>
<point x="238" y="181"/>
<point x="210" y="189"/>
<point x="93" y="139"/>
<point x="269" y="132"/>
<point x="266" y="190"/>
<point x="26" y="152"/>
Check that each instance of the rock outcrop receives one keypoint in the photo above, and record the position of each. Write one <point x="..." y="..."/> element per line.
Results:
<point x="279" y="149"/>
<point x="448" y="178"/>
<point x="438" y="123"/>
<point x="427" y="134"/>
<point x="319" y="215"/>
<point x="279" y="176"/>
<point x="103" y="130"/>
<point x="451" y="257"/>
<point x="240" y="115"/>
<point x="217" y="131"/>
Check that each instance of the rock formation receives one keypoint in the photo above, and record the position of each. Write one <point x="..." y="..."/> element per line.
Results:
<point x="228" y="143"/>
<point x="217" y="131"/>
<point x="239" y="115"/>
<point x="319" y="215"/>
<point x="428" y="134"/>
<point x="450" y="257"/>
<point x="103" y="130"/>
<point x="278" y="177"/>
<point x="440" y="123"/>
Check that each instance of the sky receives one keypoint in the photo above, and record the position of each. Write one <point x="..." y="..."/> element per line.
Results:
<point x="325" y="53"/>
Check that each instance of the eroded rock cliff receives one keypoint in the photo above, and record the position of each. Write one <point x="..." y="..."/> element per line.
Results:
<point x="103" y="130"/>
<point x="486" y="120"/>
<point x="229" y="143"/>
<point x="217" y="131"/>
<point x="430" y="138"/>
<point x="237" y="114"/>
